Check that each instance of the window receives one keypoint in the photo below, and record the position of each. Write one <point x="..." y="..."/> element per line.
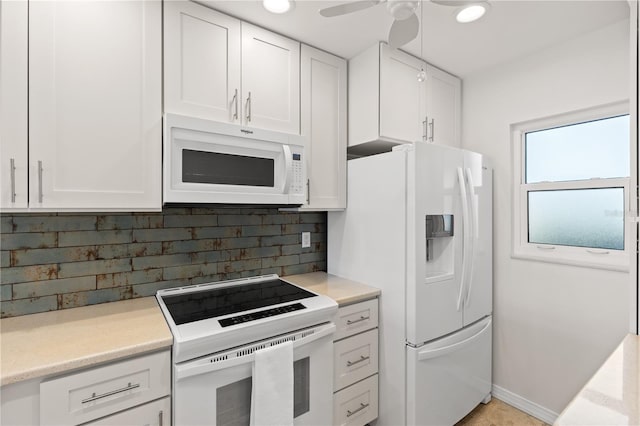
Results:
<point x="571" y="188"/>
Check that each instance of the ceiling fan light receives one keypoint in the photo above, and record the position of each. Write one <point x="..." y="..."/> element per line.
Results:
<point x="471" y="12"/>
<point x="278" y="6"/>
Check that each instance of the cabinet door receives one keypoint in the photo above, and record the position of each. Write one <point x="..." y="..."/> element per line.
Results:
<point x="95" y="116"/>
<point x="402" y="96"/>
<point x="323" y="83"/>
<point x="156" y="413"/>
<point x="201" y="62"/>
<point x="270" y="80"/>
<point x="13" y="104"/>
<point x="443" y="107"/>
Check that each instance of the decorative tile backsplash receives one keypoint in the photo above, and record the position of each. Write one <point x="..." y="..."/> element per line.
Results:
<point x="64" y="260"/>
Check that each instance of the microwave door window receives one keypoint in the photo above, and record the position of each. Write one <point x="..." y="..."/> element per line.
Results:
<point x="226" y="169"/>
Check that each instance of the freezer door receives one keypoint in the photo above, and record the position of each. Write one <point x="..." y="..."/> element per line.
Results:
<point x="478" y="291"/>
<point x="449" y="377"/>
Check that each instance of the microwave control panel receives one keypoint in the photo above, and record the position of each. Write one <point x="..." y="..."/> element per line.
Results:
<point x="297" y="182"/>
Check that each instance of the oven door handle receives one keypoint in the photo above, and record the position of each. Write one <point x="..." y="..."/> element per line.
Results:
<point x="217" y="361"/>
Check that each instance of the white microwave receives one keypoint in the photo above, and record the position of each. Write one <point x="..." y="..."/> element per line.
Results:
<point x="210" y="162"/>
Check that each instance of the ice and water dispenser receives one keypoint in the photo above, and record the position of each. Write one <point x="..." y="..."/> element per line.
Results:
<point x="440" y="246"/>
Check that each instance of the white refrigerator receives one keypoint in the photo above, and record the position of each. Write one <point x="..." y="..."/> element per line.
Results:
<point x="418" y="225"/>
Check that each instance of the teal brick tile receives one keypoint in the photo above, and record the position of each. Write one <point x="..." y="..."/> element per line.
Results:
<point x="14" y="308"/>
<point x="280" y="219"/>
<point x="121" y="279"/>
<point x="53" y="255"/>
<point x="240" y="265"/>
<point x="189" y="271"/>
<point x="206" y="210"/>
<point x="150" y="289"/>
<point x="209" y="256"/>
<point x="254" y="253"/>
<point x="173" y="234"/>
<point x="28" y="273"/>
<point x="93" y="267"/>
<point x="6" y="224"/>
<point x="5" y="259"/>
<point x="177" y="221"/>
<point x="26" y="240"/>
<point x="53" y="223"/>
<point x="280" y="240"/>
<point x="147" y="221"/>
<point x="253" y="231"/>
<point x="207" y="279"/>
<point x="47" y="288"/>
<point x="230" y="220"/>
<point x="312" y="257"/>
<point x="163" y="261"/>
<point x="217" y="232"/>
<point x="268" y="262"/>
<point x="320" y="217"/>
<point x="234" y="243"/>
<point x="318" y="237"/>
<point x="83" y="298"/>
<point x="190" y="246"/>
<point x="269" y="271"/>
<point x="293" y="249"/>
<point x="83" y="238"/>
<point x="303" y="268"/>
<point x="115" y="222"/>
<point x="6" y="292"/>
<point x="120" y="251"/>
<point x="176" y="210"/>
<point x="303" y="227"/>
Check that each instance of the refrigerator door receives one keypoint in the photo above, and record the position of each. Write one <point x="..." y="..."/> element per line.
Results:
<point x="434" y="265"/>
<point x="478" y="288"/>
<point x="449" y="377"/>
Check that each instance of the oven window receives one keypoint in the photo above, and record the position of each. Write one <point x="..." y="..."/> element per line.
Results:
<point x="233" y="401"/>
<point x="226" y="169"/>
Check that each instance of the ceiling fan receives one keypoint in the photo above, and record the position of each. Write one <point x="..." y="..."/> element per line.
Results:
<point x="405" y="24"/>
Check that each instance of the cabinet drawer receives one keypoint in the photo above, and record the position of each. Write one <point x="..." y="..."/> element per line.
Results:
<point x="356" y="318"/>
<point x="356" y="405"/>
<point x="101" y="391"/>
<point x="355" y="358"/>
<point x="156" y="413"/>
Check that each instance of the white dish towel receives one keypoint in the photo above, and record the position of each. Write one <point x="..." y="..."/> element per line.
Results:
<point x="272" y="386"/>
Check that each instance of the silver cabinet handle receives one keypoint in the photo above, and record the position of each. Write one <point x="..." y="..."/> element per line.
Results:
<point x="433" y="129"/>
<point x="308" y="190"/>
<point x="95" y="397"/>
<point x="362" y="358"/>
<point x="424" y="128"/>
<point x="362" y="407"/>
<point x="12" y="163"/>
<point x="160" y="418"/>
<point x="249" y="108"/>
<point x="40" y="195"/>
<point x="235" y="102"/>
<point x="592" y="251"/>
<point x="362" y="318"/>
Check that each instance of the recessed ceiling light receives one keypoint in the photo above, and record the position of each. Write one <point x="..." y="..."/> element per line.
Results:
<point x="471" y="12"/>
<point x="278" y="6"/>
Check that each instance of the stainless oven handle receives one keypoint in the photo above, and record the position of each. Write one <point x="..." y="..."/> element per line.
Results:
<point x="288" y="168"/>
<point x="205" y="365"/>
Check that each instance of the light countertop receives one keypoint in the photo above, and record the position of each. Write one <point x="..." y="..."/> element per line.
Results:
<point x="42" y="344"/>
<point x="341" y="290"/>
<point x="612" y="396"/>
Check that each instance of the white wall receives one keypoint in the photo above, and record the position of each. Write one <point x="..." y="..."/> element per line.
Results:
<point x="554" y="324"/>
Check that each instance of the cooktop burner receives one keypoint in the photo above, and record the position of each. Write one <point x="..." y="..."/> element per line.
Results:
<point x="217" y="302"/>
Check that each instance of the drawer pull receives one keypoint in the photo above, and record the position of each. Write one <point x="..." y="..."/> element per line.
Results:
<point x="362" y="407"/>
<point x="362" y="318"/>
<point x="362" y="358"/>
<point x="94" y="397"/>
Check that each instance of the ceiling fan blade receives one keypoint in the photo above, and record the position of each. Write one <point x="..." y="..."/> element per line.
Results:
<point x="342" y="9"/>
<point x="453" y="2"/>
<point x="402" y="32"/>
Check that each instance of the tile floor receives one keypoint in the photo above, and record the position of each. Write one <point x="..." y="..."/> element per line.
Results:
<point x="497" y="413"/>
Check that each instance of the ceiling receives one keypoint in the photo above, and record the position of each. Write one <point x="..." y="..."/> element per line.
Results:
<point x="511" y="29"/>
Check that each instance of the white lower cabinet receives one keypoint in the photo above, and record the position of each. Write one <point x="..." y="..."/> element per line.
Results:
<point x="355" y="363"/>
<point x="156" y="413"/>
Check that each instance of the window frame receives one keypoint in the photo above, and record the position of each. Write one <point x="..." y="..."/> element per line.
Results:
<point x="611" y="259"/>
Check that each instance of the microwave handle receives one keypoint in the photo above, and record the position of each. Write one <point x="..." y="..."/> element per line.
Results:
<point x="288" y="168"/>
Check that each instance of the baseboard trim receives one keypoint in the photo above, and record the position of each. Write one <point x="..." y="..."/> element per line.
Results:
<point x="523" y="404"/>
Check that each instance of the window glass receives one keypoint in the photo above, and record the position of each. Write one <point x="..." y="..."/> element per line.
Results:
<point x="578" y="217"/>
<point x="593" y="149"/>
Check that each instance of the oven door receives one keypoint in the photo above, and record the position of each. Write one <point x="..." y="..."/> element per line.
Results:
<point x="216" y="390"/>
<point x="209" y="162"/>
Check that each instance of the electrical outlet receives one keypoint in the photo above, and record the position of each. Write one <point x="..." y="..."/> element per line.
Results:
<point x="306" y="239"/>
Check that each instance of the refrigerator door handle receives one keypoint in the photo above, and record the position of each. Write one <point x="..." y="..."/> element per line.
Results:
<point x="473" y="235"/>
<point x="446" y="350"/>
<point x="466" y="234"/>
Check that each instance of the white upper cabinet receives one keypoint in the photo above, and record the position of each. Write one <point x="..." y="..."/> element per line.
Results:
<point x="443" y="107"/>
<point x="222" y="69"/>
<point x="323" y="97"/>
<point x="95" y="105"/>
<point x="389" y="106"/>
<point x="201" y="62"/>
<point x="13" y="104"/>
